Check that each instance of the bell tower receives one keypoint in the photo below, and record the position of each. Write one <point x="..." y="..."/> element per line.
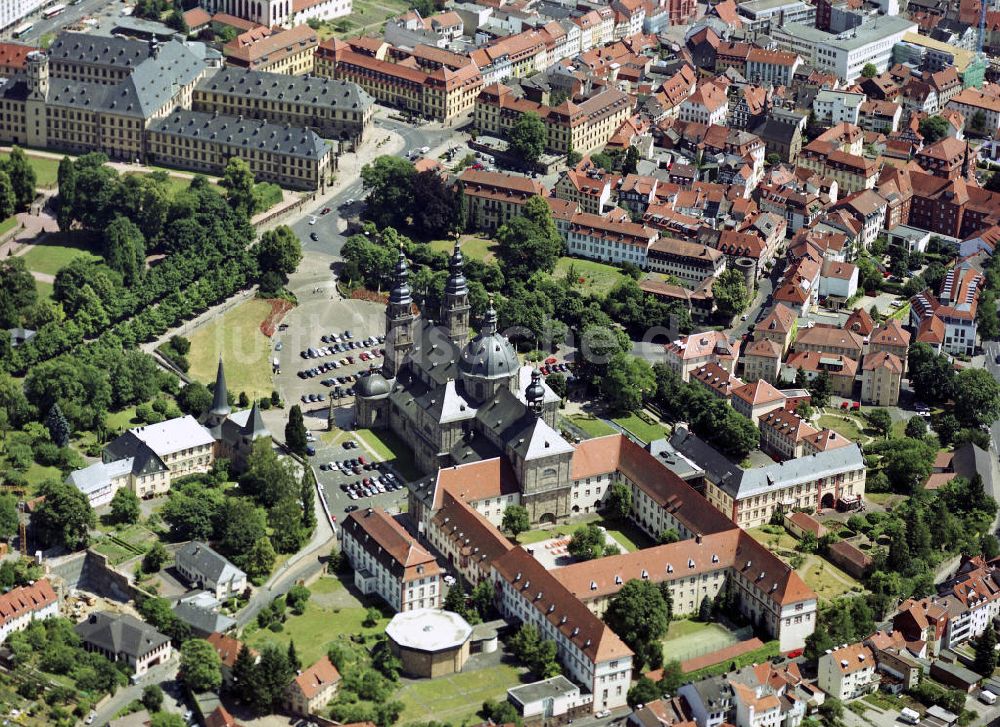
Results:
<point x="455" y="309"/>
<point x="399" y="320"/>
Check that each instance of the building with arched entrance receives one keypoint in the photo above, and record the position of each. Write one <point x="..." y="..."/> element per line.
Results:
<point x="467" y="404"/>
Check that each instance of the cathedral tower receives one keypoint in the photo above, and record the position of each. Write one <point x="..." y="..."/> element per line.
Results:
<point x="455" y="309"/>
<point x="399" y="320"/>
<point x="220" y="400"/>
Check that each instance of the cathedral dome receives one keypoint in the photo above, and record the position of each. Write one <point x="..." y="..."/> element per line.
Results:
<point x="371" y="386"/>
<point x="489" y="355"/>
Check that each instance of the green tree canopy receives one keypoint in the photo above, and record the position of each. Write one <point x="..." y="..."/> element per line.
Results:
<point x="530" y="241"/>
<point x="295" y="431"/>
<point x="239" y="183"/>
<point x="977" y="397"/>
<point x="64" y="518"/>
<point x="527" y="137"/>
<point x="389" y="183"/>
<point x="869" y="71"/>
<point x="201" y="668"/>
<point x="516" y="520"/>
<point x="638" y="614"/>
<point x="731" y="294"/>
<point x="125" y="506"/>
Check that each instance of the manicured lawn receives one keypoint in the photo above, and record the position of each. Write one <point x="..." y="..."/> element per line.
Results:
<point x="591" y="425"/>
<point x="46" y="170"/>
<point x="364" y="13"/>
<point x="590" y="276"/>
<point x="687" y="639"/>
<point x="643" y="430"/>
<point x="333" y="613"/>
<point x="8" y="224"/>
<point x="849" y="427"/>
<point x="51" y="258"/>
<point x="124" y="544"/>
<point x="37" y="474"/>
<point x="626" y="534"/>
<point x="244" y="349"/>
<point x="391" y="448"/>
<point x="44" y="289"/>
<point x="474" y="247"/>
<point x="455" y="699"/>
<point x="821" y="575"/>
<point x="121" y="420"/>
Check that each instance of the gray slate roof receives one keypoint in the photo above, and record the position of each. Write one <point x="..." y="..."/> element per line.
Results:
<point x="243" y="133"/>
<point x="200" y="558"/>
<point x="120" y="634"/>
<point x="306" y="90"/>
<point x="203" y="620"/>
<point x="739" y="483"/>
<point x="111" y="51"/>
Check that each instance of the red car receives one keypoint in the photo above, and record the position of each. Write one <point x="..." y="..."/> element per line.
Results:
<point x="326" y="211"/>
<point x="544" y="370"/>
<point x="845" y="404"/>
<point x="361" y="460"/>
<point x="856" y="406"/>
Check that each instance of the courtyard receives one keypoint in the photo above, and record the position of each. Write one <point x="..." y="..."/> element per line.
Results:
<point x="625" y="534"/>
<point x="687" y="639"/>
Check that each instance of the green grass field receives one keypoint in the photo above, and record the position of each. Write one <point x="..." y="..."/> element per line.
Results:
<point x="333" y="613"/>
<point x="591" y="425"/>
<point x="687" y="639"/>
<point x="245" y="350"/>
<point x="46" y="170"/>
<point x="8" y="224"/>
<point x="455" y="699"/>
<point x="643" y="430"/>
<point x="477" y="248"/>
<point x="590" y="276"/>
<point x="365" y="15"/>
<point x="44" y="289"/>
<point x="51" y="258"/>
<point x="628" y="536"/>
<point x="819" y="574"/>
<point x="390" y="448"/>
<point x="848" y="427"/>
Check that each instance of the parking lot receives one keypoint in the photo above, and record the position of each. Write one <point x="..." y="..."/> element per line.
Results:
<point x="342" y="356"/>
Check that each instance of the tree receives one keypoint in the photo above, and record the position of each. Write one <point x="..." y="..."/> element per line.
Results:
<point x="239" y="183"/>
<point x="933" y="128"/>
<point x="869" y="71"/>
<point x="638" y="613"/>
<point x="201" y="669"/>
<point x="977" y="397"/>
<point x="64" y="518"/>
<point x="389" y="183"/>
<point x="17" y="291"/>
<point x="931" y="374"/>
<point x="527" y="137"/>
<point x="627" y="380"/>
<point x="880" y="421"/>
<point x="260" y="560"/>
<point x="269" y="479"/>
<point x="977" y="124"/>
<point x="285" y="519"/>
<point x="986" y="654"/>
<point x="154" y="558"/>
<point x="558" y="384"/>
<point x="630" y="164"/>
<point x="22" y="177"/>
<point x="619" y="501"/>
<point x="436" y="206"/>
<point x="644" y="691"/>
<point x="67" y="192"/>
<point x="57" y="425"/>
<point x="500" y="713"/>
<point x="705" y="609"/>
<point x="515" y="520"/>
<point x="530" y="241"/>
<point x="482" y="598"/>
<point x="987" y="321"/>
<point x="194" y="399"/>
<point x="8" y="202"/>
<point x="916" y="427"/>
<point x="673" y="677"/>
<point x="730" y="293"/>
<point x="124" y="249"/>
<point x="307" y="499"/>
<point x="9" y="522"/>
<point x="245" y="674"/>
<point x="817" y="643"/>
<point x="125" y="506"/>
<point x="909" y="466"/>
<point x="295" y="431"/>
<point x="240" y="524"/>
<point x="279" y="252"/>
<point x="152" y="697"/>
<point x="588" y="542"/>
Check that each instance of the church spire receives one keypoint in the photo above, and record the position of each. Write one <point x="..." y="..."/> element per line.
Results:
<point x="534" y="395"/>
<point x="220" y="400"/>
<point x="489" y="320"/>
<point x="455" y="308"/>
<point x="400" y="293"/>
<point x="966" y="160"/>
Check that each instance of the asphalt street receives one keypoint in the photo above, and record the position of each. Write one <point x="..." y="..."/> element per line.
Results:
<point x="70" y="16"/>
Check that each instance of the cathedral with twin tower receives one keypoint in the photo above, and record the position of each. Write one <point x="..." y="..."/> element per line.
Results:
<point x="455" y="399"/>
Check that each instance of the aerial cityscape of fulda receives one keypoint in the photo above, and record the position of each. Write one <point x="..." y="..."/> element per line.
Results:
<point x="499" y="363"/>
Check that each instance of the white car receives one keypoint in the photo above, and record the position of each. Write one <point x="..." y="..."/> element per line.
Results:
<point x="603" y="713"/>
<point x="449" y="580"/>
<point x="312" y="220"/>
